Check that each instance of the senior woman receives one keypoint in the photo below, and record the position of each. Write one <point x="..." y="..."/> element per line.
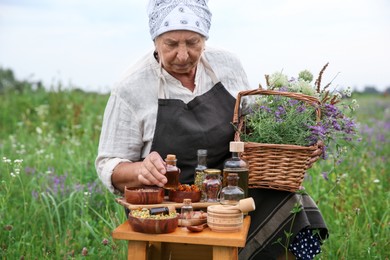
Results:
<point x="180" y="98"/>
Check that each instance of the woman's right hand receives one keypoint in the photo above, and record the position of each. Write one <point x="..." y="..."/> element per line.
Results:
<point x="152" y="170"/>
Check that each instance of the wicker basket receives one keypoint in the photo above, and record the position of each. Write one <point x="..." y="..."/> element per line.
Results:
<point x="277" y="166"/>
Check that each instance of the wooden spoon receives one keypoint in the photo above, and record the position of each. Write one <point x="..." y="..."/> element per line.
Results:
<point x="197" y="228"/>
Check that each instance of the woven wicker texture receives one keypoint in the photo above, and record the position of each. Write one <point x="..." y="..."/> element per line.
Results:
<point x="277" y="166"/>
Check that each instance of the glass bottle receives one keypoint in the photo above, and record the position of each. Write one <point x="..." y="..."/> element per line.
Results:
<point x="232" y="194"/>
<point x="172" y="173"/>
<point x="212" y="184"/>
<point x="199" y="171"/>
<point x="236" y="164"/>
<point x="186" y="211"/>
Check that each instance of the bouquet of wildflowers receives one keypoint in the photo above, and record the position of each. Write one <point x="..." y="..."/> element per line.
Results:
<point x="275" y="119"/>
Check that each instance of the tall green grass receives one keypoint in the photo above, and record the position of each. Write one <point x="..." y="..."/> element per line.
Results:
<point x="52" y="205"/>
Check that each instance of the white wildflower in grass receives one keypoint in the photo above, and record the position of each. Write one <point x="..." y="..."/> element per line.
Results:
<point x="49" y="156"/>
<point x="12" y="175"/>
<point x="6" y="160"/>
<point x="42" y="110"/>
<point x="377" y="181"/>
<point x="21" y="149"/>
<point x="38" y="130"/>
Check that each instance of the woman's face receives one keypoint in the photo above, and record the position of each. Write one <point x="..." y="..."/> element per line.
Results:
<point x="180" y="51"/>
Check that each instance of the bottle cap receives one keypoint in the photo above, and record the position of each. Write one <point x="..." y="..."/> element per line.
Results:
<point x="171" y="157"/>
<point x="187" y="201"/>
<point x="237" y="147"/>
<point x="202" y="152"/>
<point x="212" y="171"/>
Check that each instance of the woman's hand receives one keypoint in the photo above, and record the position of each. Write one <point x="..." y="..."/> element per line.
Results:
<point x="152" y="170"/>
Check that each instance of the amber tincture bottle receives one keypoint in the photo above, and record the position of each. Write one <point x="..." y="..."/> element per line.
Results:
<point x="237" y="165"/>
<point x="173" y="172"/>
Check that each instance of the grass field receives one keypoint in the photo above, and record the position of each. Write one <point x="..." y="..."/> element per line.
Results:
<point x="52" y="205"/>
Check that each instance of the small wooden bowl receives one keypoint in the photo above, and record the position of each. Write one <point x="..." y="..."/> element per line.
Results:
<point x="144" y="195"/>
<point x="198" y="218"/>
<point x="179" y="196"/>
<point x="153" y="226"/>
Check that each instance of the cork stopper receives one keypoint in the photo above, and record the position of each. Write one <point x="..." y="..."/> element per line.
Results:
<point x="171" y="157"/>
<point x="187" y="201"/>
<point x="236" y="147"/>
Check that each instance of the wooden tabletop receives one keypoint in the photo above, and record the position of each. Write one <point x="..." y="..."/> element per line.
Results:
<point x="195" y="205"/>
<point x="182" y="235"/>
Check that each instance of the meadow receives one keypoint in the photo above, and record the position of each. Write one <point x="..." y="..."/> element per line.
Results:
<point x="52" y="205"/>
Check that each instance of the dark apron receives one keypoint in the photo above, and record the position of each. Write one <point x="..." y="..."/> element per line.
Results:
<point x="203" y="123"/>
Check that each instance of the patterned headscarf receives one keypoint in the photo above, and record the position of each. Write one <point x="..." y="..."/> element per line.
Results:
<point x="170" y="15"/>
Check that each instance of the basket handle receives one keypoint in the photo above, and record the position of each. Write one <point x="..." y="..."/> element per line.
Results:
<point x="298" y="96"/>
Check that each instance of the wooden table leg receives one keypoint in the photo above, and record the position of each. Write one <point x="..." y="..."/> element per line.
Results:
<point x="137" y="250"/>
<point x="225" y="253"/>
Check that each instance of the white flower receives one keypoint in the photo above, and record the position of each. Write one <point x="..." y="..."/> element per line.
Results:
<point x="278" y="80"/>
<point x="38" y="130"/>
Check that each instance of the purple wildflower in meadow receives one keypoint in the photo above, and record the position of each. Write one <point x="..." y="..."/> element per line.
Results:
<point x="325" y="176"/>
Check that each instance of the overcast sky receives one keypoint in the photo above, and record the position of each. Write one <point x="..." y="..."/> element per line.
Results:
<point x="89" y="43"/>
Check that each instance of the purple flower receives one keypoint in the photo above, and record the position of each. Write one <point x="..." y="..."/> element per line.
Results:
<point x="325" y="176"/>
<point x="301" y="108"/>
<point x="279" y="113"/>
<point x="293" y="102"/>
<point x="336" y="125"/>
<point x="267" y="109"/>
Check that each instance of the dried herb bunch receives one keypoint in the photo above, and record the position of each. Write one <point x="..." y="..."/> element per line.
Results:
<point x="277" y="119"/>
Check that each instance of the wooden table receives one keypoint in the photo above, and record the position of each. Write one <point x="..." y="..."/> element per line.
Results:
<point x="183" y="244"/>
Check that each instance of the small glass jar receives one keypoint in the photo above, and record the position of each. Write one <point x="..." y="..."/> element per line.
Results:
<point x="199" y="171"/>
<point x="232" y="193"/>
<point x="186" y="211"/>
<point x="212" y="184"/>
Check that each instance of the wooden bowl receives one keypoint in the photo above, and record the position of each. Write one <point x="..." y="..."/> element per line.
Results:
<point x="179" y="196"/>
<point x="144" y="195"/>
<point x="221" y="219"/>
<point x="153" y="226"/>
<point x="198" y="218"/>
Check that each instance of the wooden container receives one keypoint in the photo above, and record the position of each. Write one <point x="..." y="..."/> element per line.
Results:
<point x="153" y="226"/>
<point x="222" y="219"/>
<point x="179" y="196"/>
<point x="144" y="195"/>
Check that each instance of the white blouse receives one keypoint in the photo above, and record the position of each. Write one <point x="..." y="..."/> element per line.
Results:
<point x="131" y="112"/>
